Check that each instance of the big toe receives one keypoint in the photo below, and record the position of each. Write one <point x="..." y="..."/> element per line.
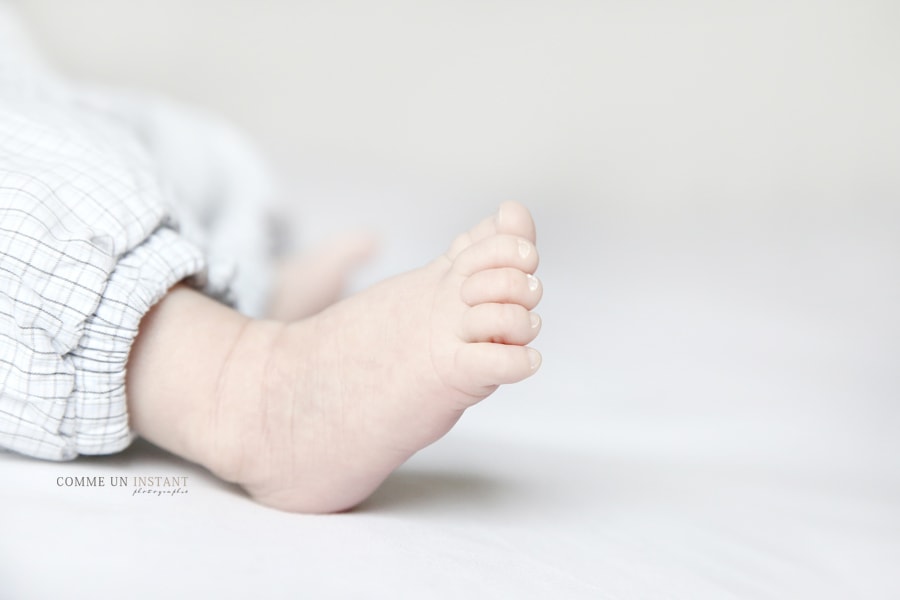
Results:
<point x="511" y="218"/>
<point x="515" y="219"/>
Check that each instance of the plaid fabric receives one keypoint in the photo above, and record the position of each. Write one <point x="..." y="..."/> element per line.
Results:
<point x="88" y="243"/>
<point x="85" y="250"/>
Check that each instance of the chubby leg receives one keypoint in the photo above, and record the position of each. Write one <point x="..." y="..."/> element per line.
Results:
<point x="313" y="415"/>
<point x="308" y="283"/>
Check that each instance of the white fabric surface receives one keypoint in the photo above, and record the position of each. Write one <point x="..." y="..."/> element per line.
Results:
<point x="639" y="463"/>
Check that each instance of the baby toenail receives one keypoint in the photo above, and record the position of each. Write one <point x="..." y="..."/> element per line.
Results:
<point x="533" y="282"/>
<point x="534" y="359"/>
<point x="524" y="248"/>
<point x="535" y="320"/>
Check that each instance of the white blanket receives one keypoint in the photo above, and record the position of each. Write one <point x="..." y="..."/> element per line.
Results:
<point x="666" y="450"/>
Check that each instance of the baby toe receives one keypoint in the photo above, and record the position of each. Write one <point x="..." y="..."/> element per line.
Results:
<point x="500" y="323"/>
<point x="511" y="218"/>
<point x="497" y="251"/>
<point x="486" y="364"/>
<point x="514" y="219"/>
<point x="506" y="285"/>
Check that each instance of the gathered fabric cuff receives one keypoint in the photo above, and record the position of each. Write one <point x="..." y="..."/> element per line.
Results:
<point x="75" y="403"/>
<point x="96" y="420"/>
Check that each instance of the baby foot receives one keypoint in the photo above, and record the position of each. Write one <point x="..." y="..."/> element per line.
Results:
<point x="307" y="283"/>
<point x="351" y="393"/>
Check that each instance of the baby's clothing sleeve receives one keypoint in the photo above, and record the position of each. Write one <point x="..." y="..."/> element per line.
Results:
<point x="107" y="199"/>
<point x="87" y="246"/>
